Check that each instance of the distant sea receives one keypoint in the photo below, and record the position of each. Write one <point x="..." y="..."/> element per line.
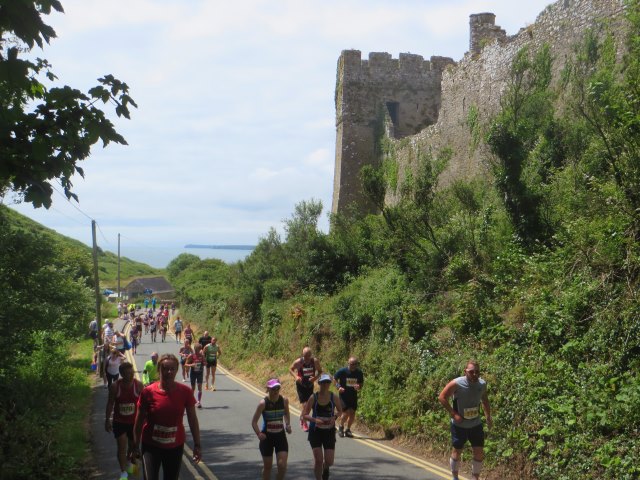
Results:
<point x="159" y="257"/>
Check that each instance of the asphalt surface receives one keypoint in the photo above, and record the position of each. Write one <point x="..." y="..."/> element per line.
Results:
<point x="230" y="447"/>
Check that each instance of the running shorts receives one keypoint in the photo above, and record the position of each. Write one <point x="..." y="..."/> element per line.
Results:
<point x="274" y="441"/>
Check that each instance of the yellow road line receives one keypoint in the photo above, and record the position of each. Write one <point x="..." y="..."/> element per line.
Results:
<point x="416" y="461"/>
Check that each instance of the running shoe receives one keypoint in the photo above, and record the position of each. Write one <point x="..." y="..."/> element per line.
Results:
<point x="206" y="387"/>
<point x="124" y="476"/>
<point x="347" y="433"/>
<point x="213" y="388"/>
<point x="341" y="431"/>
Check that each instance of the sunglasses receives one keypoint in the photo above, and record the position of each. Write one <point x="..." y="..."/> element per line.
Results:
<point x="274" y="389"/>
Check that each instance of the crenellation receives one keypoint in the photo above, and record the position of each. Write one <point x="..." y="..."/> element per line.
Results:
<point x="428" y="101"/>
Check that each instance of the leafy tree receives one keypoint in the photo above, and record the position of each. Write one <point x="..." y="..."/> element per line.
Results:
<point x="46" y="132"/>
<point x="605" y="95"/>
<point x="525" y="120"/>
<point x="181" y="263"/>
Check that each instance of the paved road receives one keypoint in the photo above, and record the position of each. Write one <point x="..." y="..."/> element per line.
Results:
<point x="230" y="447"/>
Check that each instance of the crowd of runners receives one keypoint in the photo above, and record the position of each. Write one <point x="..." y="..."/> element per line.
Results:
<point x="146" y="418"/>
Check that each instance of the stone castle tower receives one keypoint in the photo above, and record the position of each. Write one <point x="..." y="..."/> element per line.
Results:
<point x="424" y="105"/>
<point x="406" y="91"/>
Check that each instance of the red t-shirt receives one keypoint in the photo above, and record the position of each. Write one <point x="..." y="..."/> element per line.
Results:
<point x="197" y="360"/>
<point x="163" y="427"/>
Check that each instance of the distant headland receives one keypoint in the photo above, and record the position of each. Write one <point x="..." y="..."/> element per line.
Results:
<point x="222" y="247"/>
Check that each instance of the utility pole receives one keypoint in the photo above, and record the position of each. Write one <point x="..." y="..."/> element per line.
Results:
<point x="118" y="267"/>
<point x="96" y="279"/>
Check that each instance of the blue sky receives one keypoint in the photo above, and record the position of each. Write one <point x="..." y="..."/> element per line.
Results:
<point x="235" y="123"/>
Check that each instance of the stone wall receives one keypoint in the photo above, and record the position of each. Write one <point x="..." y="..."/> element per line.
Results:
<point x="444" y="92"/>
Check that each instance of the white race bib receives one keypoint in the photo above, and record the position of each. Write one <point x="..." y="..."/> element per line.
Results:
<point x="352" y="382"/>
<point x="470" y="413"/>
<point x="275" y="426"/>
<point x="162" y="434"/>
<point x="127" y="409"/>
<point x="325" y="425"/>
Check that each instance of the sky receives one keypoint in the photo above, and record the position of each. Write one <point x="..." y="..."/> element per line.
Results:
<point x="236" y="118"/>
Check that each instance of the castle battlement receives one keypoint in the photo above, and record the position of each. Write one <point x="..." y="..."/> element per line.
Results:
<point x="383" y="65"/>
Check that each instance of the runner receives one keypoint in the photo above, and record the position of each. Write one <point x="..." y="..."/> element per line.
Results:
<point x="153" y="328"/>
<point x="107" y="331"/>
<point x="93" y="331"/>
<point x="188" y="333"/>
<point x="205" y="339"/>
<point x="320" y="411"/>
<point x="177" y="328"/>
<point x="305" y="370"/>
<point x="195" y="362"/>
<point x="120" y="309"/>
<point x="211" y="353"/>
<point x="139" y="326"/>
<point x="150" y="370"/>
<point x="159" y="425"/>
<point x="113" y="362"/>
<point x="120" y="342"/>
<point x="468" y="392"/>
<point x="349" y="381"/>
<point x="146" y="303"/>
<point x="185" y="351"/>
<point x="134" y="337"/>
<point x="123" y="397"/>
<point x="145" y="321"/>
<point x="162" y="321"/>
<point x="153" y="304"/>
<point x="276" y="419"/>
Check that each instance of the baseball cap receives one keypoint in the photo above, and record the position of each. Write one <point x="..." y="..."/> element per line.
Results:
<point x="325" y="377"/>
<point x="274" y="382"/>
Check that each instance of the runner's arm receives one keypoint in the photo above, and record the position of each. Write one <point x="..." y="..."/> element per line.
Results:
<point x="194" y="426"/>
<point x="254" y="420"/>
<point x="141" y="416"/>
<point x="446" y="393"/>
<point x="287" y="416"/>
<point x="293" y="370"/>
<point x="109" y="410"/>
<point x="306" y="411"/>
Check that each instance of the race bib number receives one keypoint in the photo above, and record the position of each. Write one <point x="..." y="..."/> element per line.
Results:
<point x="308" y="371"/>
<point x="127" y="409"/>
<point x="164" y="435"/>
<point x="352" y="382"/>
<point x="275" y="427"/>
<point x="325" y="425"/>
<point x="196" y="366"/>
<point x="470" y="413"/>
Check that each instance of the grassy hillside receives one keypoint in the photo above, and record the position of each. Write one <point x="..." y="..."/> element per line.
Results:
<point x="107" y="261"/>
